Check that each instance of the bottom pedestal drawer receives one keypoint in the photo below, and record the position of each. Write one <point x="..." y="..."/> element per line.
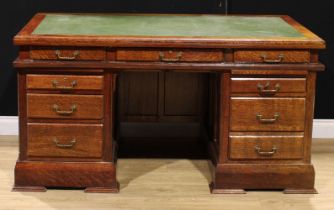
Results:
<point x="65" y="140"/>
<point x="266" y="146"/>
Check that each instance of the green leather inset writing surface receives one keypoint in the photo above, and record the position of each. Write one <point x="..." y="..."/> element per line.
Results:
<point x="167" y="25"/>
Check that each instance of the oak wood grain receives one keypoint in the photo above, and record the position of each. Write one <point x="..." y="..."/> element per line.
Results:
<point x="173" y="55"/>
<point x="22" y="113"/>
<point x="265" y="56"/>
<point x="61" y="82"/>
<point x="38" y="65"/>
<point x="309" y="115"/>
<point x="87" y="106"/>
<point x="242" y="118"/>
<point x="224" y="115"/>
<point x="50" y="53"/>
<point x="244" y="113"/>
<point x="268" y="86"/>
<point x="243" y="147"/>
<point x="88" y="140"/>
<point x="264" y="176"/>
<point x="109" y="121"/>
<point x="71" y="174"/>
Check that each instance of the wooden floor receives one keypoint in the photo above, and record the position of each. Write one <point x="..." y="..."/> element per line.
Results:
<point x="173" y="184"/>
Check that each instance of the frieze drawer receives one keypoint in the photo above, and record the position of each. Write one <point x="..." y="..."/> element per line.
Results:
<point x="68" y="53"/>
<point x="173" y="55"/>
<point x="272" y="56"/>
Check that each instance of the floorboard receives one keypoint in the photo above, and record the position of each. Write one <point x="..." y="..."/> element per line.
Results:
<point x="166" y="184"/>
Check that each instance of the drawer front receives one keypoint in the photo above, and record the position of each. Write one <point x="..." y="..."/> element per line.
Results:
<point x="64" y="82"/>
<point x="266" y="147"/>
<point x="65" y="140"/>
<point x="272" y="56"/>
<point x="65" y="106"/>
<point x="170" y="55"/>
<point x="67" y="53"/>
<point x="267" y="114"/>
<point x="268" y="86"/>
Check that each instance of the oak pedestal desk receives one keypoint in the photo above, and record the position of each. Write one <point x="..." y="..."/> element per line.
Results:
<point x="260" y="71"/>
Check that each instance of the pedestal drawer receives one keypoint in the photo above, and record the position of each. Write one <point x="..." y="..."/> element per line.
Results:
<point x="65" y="140"/>
<point x="268" y="86"/>
<point x="272" y="56"/>
<point x="267" y="114"/>
<point x="64" y="82"/>
<point x="267" y="146"/>
<point x="65" y="106"/>
<point x="166" y="55"/>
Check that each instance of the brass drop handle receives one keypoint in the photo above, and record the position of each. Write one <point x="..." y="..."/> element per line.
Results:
<point x="55" y="84"/>
<point x="265" y="153"/>
<point x="56" y="109"/>
<point x="266" y="60"/>
<point x="263" y="89"/>
<point x="178" y="57"/>
<point x="260" y="118"/>
<point x="76" y="54"/>
<point x="69" y="145"/>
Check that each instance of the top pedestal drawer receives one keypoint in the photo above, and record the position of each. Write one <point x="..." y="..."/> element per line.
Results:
<point x="64" y="82"/>
<point x="268" y="86"/>
<point x="272" y="56"/>
<point x="174" y="55"/>
<point x="67" y="53"/>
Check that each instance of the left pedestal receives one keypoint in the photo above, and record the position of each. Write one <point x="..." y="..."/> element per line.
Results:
<point x="66" y="130"/>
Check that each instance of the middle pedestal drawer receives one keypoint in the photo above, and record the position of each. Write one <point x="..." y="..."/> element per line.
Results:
<point x="64" y="140"/>
<point x="65" y="106"/>
<point x="267" y="114"/>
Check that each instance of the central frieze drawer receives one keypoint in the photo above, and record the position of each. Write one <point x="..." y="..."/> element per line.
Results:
<point x="174" y="55"/>
<point x="65" y="140"/>
<point x="64" y="82"/>
<point x="267" y="114"/>
<point x="269" y="146"/>
<point x="272" y="56"/>
<point x="65" y="106"/>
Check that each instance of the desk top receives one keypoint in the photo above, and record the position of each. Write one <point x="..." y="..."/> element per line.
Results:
<point x="162" y="30"/>
<point x="166" y="25"/>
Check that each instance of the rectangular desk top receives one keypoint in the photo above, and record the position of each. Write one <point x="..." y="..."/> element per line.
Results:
<point x="161" y="30"/>
<point x="166" y="25"/>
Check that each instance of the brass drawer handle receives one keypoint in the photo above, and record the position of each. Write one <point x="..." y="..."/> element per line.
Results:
<point x="260" y="118"/>
<point x="264" y="153"/>
<point x="73" y="108"/>
<point x="69" y="145"/>
<point x="76" y="54"/>
<point x="55" y="84"/>
<point x="266" y="60"/>
<point x="263" y="89"/>
<point x="178" y="57"/>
